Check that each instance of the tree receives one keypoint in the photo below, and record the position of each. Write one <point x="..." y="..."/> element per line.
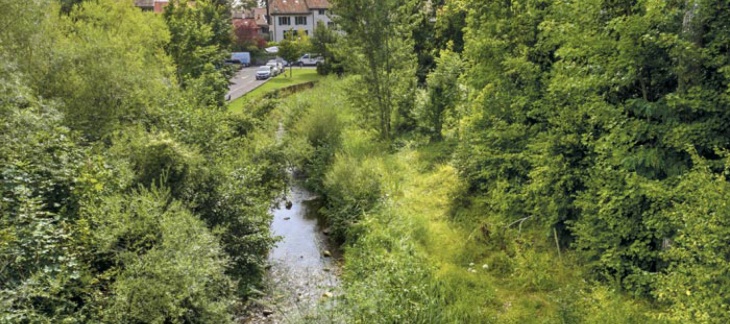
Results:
<point x="90" y="71"/>
<point x="450" y="24"/>
<point x="583" y="128"/>
<point x="696" y="280"/>
<point x="167" y="266"/>
<point x="323" y="41"/>
<point x="123" y="198"/>
<point x="40" y="182"/>
<point x="247" y="35"/>
<point x="443" y="92"/>
<point x="378" y="47"/>
<point x="201" y="37"/>
<point x="292" y="48"/>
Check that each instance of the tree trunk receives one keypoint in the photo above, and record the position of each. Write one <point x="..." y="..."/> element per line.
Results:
<point x="692" y="31"/>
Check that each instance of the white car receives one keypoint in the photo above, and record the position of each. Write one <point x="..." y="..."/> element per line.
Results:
<point x="282" y="61"/>
<point x="310" y="59"/>
<point x="276" y="68"/>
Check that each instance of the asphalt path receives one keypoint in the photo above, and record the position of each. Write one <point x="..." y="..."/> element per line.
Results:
<point x="243" y="82"/>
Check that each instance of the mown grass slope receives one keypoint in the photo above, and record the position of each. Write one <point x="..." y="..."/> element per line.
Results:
<point x="299" y="75"/>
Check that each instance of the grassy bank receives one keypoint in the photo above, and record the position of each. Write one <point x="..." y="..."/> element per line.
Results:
<point x="417" y="248"/>
<point x="299" y="75"/>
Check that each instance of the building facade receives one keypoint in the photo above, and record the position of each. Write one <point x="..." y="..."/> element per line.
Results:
<point x="158" y="6"/>
<point x="292" y="16"/>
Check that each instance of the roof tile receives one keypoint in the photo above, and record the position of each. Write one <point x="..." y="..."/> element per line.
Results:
<point x="279" y="7"/>
<point x="318" y="4"/>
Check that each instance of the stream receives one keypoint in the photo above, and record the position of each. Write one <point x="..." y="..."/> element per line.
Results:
<point x="303" y="271"/>
<point x="303" y="275"/>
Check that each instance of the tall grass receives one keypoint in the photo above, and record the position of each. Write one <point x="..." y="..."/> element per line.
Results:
<point x="417" y="251"/>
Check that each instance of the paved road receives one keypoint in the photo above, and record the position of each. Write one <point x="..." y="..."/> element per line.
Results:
<point x="243" y="82"/>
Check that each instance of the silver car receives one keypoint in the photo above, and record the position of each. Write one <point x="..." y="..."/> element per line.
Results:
<point x="276" y="68"/>
<point x="263" y="73"/>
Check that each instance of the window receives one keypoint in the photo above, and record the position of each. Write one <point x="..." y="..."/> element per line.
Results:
<point x="284" y="21"/>
<point x="321" y="12"/>
<point x="302" y="20"/>
<point x="331" y="24"/>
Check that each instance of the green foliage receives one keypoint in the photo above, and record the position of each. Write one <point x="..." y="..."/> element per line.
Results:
<point x="320" y="130"/>
<point x="379" y="48"/>
<point x="315" y="121"/>
<point x="124" y="198"/>
<point x="200" y="40"/>
<point x="159" y="161"/>
<point x="353" y="188"/>
<point x="324" y="41"/>
<point x="292" y="48"/>
<point x="581" y="115"/>
<point x="40" y="266"/>
<point x="406" y="260"/>
<point x="696" y="279"/>
<point x="450" y="23"/>
<point x="389" y="280"/>
<point x="104" y="70"/>
<point x="165" y="264"/>
<point x="443" y="94"/>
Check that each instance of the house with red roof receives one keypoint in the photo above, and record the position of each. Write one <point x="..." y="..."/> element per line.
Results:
<point x="292" y="16"/>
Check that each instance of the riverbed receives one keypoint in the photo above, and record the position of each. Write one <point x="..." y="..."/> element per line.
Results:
<point x="302" y="277"/>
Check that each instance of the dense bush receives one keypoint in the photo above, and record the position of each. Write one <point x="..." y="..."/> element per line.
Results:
<point x="160" y="161"/>
<point x="157" y="260"/>
<point x="40" y="259"/>
<point x="314" y="121"/>
<point x="584" y="119"/>
<point x="352" y="187"/>
<point x="124" y="197"/>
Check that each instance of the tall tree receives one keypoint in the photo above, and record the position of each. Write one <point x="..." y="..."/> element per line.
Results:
<point x="450" y="23"/>
<point x="292" y="48"/>
<point x="378" y="47"/>
<point x="201" y="37"/>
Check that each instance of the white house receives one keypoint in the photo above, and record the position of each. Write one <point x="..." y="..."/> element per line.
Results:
<point x="288" y="16"/>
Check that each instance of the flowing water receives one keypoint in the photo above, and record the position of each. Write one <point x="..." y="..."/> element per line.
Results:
<point x="302" y="277"/>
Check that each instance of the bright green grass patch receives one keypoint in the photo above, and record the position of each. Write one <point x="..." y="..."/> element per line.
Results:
<point x="299" y="76"/>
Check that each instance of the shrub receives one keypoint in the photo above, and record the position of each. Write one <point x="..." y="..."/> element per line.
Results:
<point x="353" y="187"/>
<point x="315" y="135"/>
<point x="40" y="266"/>
<point x="162" y="263"/>
<point x="387" y="277"/>
<point x="160" y="161"/>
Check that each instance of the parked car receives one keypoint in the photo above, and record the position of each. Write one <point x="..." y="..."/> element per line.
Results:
<point x="282" y="61"/>
<point x="263" y="73"/>
<point x="276" y="67"/>
<point x="310" y="59"/>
